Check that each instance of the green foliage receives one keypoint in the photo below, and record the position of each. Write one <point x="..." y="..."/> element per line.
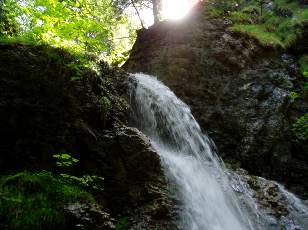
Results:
<point x="240" y="17"/>
<point x="300" y="128"/>
<point x="65" y="160"/>
<point x="8" y="23"/>
<point x="214" y="12"/>
<point x="105" y="102"/>
<point x="19" y="40"/>
<point x="35" y="200"/>
<point x="278" y="28"/>
<point x="78" y="63"/>
<point x="294" y="95"/>
<point x="90" y="183"/>
<point x="259" y="32"/>
<point x="122" y="224"/>
<point x="83" y="26"/>
<point x="226" y="6"/>
<point x="303" y="65"/>
<point x="106" y="106"/>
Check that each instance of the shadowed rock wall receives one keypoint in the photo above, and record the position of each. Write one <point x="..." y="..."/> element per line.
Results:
<point x="44" y="112"/>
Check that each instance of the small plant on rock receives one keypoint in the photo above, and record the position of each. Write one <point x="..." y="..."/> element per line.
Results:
<point x="65" y="160"/>
<point x="123" y="224"/>
<point x="294" y="96"/>
<point x="300" y="128"/>
<point x="89" y="182"/>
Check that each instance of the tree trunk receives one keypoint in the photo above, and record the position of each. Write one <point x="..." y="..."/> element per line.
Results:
<point x="155" y="10"/>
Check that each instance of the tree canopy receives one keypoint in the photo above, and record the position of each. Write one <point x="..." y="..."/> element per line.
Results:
<point x="90" y="26"/>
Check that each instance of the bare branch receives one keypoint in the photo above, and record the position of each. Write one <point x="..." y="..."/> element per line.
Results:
<point x="141" y="22"/>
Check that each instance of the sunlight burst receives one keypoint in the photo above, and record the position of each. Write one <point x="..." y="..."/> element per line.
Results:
<point x="171" y="9"/>
<point x="176" y="9"/>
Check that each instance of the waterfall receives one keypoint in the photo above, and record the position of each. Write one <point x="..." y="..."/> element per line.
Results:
<point x="198" y="179"/>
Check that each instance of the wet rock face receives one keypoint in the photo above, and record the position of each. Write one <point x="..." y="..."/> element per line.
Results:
<point x="135" y="186"/>
<point x="135" y="183"/>
<point x="238" y="91"/>
<point x="87" y="216"/>
<point x="276" y="206"/>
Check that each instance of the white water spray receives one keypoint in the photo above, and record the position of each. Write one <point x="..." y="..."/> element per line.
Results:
<point x="208" y="201"/>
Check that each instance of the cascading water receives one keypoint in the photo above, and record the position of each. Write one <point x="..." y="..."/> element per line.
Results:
<point x="201" y="185"/>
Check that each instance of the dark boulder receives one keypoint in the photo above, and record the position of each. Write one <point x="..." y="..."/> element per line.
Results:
<point x="142" y="181"/>
<point x="87" y="216"/>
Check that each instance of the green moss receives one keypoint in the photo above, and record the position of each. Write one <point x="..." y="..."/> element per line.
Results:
<point x="270" y="28"/>
<point x="122" y="224"/>
<point x="35" y="200"/>
<point x="77" y="62"/>
<point x="303" y="65"/>
<point x="224" y="6"/>
<point x="106" y="106"/>
<point x="300" y="128"/>
<point x="259" y="32"/>
<point x="19" y="40"/>
<point x="240" y="17"/>
<point x="213" y="12"/>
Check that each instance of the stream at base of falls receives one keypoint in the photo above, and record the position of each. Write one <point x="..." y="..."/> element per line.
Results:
<point x="209" y="196"/>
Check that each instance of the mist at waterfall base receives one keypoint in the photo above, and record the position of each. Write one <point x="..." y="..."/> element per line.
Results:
<point x="198" y="179"/>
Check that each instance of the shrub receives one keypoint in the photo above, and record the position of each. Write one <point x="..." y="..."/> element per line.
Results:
<point x="88" y="182"/>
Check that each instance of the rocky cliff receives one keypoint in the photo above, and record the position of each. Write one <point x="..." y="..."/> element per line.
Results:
<point x="49" y="108"/>
<point x="239" y="91"/>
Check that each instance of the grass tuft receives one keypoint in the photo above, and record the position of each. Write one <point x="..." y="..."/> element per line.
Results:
<point x="258" y="32"/>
